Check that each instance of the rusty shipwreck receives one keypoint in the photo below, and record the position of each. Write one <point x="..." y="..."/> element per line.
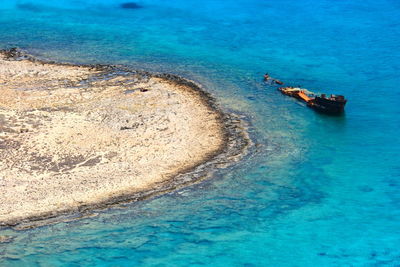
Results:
<point x="333" y="104"/>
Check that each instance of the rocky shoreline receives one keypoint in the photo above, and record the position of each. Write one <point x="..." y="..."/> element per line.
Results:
<point x="228" y="143"/>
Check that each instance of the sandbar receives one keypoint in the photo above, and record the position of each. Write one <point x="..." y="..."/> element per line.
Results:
<point x="78" y="137"/>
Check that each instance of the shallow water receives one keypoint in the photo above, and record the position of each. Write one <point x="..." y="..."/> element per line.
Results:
<point x="318" y="190"/>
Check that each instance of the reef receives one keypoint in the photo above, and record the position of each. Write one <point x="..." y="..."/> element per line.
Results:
<point x="130" y="5"/>
<point x="74" y="138"/>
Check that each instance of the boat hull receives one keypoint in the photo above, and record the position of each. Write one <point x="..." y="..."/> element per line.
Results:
<point x="329" y="106"/>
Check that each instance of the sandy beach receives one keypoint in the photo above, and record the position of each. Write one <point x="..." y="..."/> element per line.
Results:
<point x="72" y="137"/>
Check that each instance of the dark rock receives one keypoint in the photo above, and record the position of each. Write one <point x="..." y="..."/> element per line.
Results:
<point x="12" y="52"/>
<point x="130" y="5"/>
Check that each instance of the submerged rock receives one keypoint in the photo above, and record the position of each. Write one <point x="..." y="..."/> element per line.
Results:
<point x="130" y="5"/>
<point x="5" y="239"/>
<point x="29" y="7"/>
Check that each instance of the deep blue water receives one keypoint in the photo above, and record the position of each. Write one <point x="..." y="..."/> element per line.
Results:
<point x="319" y="190"/>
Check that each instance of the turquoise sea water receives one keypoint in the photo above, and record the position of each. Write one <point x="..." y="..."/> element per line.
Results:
<point x="318" y="190"/>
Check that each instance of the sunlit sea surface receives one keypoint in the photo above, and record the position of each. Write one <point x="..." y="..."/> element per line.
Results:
<point x="316" y="190"/>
